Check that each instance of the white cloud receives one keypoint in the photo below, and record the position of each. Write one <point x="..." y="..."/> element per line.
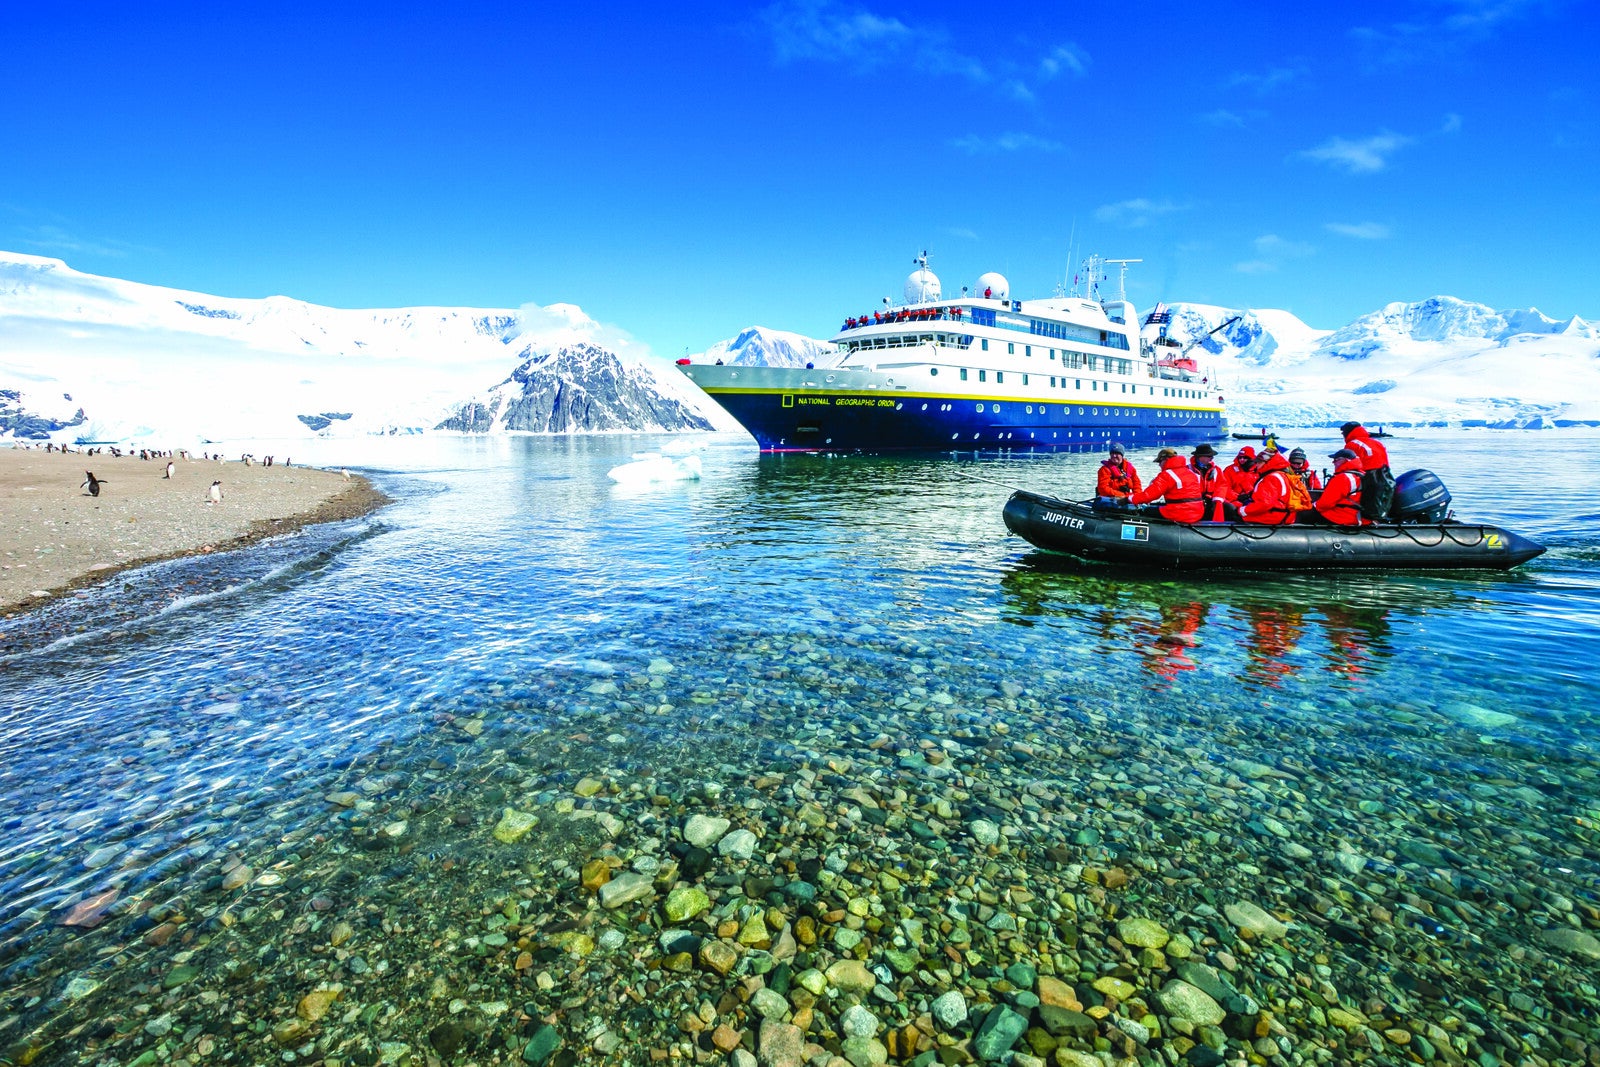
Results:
<point x="1452" y="123"/>
<point x="1271" y="251"/>
<point x="1367" y="156"/>
<point x="1065" y="57"/>
<point x="1269" y="81"/>
<point x="1137" y="212"/>
<point x="1006" y="142"/>
<point x="1365" y="231"/>
<point x="962" y="232"/>
<point x="829" y="31"/>
<point x="51" y="238"/>
<point x="550" y="326"/>
<point x="1222" y="117"/>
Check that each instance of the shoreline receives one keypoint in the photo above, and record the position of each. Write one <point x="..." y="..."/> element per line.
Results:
<point x="56" y="539"/>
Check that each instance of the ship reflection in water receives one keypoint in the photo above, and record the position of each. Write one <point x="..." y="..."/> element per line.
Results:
<point x="1259" y="629"/>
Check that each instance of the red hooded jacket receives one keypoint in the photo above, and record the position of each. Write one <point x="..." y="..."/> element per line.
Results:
<point x="1370" y="450"/>
<point x="1269" y="506"/>
<point x="1118" y="480"/>
<point x="1340" y="502"/>
<point x="1237" y="479"/>
<point x="1180" y="486"/>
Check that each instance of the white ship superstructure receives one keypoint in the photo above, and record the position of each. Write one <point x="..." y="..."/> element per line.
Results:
<point x="979" y="371"/>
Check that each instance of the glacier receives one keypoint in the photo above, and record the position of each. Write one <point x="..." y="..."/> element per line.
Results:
<point x="91" y="358"/>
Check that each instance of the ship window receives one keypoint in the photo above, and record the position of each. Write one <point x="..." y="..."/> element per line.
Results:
<point x="995" y="408"/>
<point x="1024" y="379"/>
<point x="1011" y="349"/>
<point x="963" y="374"/>
<point x="980" y="407"/>
<point x="1077" y="383"/>
<point x="1052" y="353"/>
<point x="999" y="376"/>
<point x="986" y="344"/>
<point x="1030" y="409"/>
<point x="934" y="371"/>
<point x="1080" y="411"/>
<point x="1052" y="381"/>
<point x="1027" y="350"/>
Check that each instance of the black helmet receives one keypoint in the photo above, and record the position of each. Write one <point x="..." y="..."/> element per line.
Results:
<point x="1347" y="427"/>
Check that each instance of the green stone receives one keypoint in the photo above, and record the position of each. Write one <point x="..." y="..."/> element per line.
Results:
<point x="1000" y="1030"/>
<point x="179" y="975"/>
<point x="542" y="1046"/>
<point x="514" y="826"/>
<point x="684" y="903"/>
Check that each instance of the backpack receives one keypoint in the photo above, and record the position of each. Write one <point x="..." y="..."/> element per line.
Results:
<point x="1377" y="494"/>
<point x="1298" y="497"/>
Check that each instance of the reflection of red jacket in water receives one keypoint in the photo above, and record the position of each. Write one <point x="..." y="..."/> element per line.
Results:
<point x="1276" y="633"/>
<point x="1340" y="502"/>
<point x="1179" y="623"/>
<point x="1269" y="505"/>
<point x="1369" y="449"/>
<point x="1178" y="485"/>
<point x="1118" y="479"/>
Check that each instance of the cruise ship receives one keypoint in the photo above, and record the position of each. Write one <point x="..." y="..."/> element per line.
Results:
<point x="978" y="371"/>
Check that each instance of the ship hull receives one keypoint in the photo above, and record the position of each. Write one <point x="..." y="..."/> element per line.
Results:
<point x="790" y="410"/>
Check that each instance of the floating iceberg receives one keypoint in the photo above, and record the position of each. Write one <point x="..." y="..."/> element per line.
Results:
<point x="654" y="467"/>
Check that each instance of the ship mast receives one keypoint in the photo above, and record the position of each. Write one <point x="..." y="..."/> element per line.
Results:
<point x="1122" y="277"/>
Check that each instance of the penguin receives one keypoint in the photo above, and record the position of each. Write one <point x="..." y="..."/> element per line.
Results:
<point x="170" y="469"/>
<point x="91" y="483"/>
<point x="216" y="492"/>
<point x="346" y="472"/>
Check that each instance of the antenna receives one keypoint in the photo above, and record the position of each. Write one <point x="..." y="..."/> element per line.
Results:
<point x="1122" y="278"/>
<point x="1072" y="236"/>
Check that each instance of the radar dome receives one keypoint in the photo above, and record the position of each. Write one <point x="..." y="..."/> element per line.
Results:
<point x="922" y="285"/>
<point x="994" y="285"/>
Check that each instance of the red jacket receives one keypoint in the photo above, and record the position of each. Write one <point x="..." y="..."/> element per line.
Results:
<point x="1309" y="473"/>
<point x="1269" y="506"/>
<point x="1367" y="448"/>
<point x="1212" y="483"/>
<point x="1180" y="487"/>
<point x="1340" y="502"/>
<point x="1118" y="480"/>
<point x="1237" y="479"/>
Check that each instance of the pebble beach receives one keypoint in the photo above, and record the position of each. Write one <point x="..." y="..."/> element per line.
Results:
<point x="449" y="799"/>
<point x="55" y="536"/>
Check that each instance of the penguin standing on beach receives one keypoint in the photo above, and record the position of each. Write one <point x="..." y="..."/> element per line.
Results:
<point x="170" y="468"/>
<point x="216" y="492"/>
<point x="91" y="483"/>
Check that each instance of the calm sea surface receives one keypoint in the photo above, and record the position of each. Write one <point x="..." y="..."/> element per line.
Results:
<point x="230" y="787"/>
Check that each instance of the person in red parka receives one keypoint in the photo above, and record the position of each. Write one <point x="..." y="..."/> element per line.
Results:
<point x="1212" y="488"/>
<point x="1307" y="473"/>
<point x="1269" y="501"/>
<point x="1177" y="487"/>
<point x="1117" y="476"/>
<point x="1239" y="476"/>
<point x="1340" y="502"/>
<point x="1367" y="448"/>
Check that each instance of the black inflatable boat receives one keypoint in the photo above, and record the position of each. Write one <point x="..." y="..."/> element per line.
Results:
<point x="1112" y="535"/>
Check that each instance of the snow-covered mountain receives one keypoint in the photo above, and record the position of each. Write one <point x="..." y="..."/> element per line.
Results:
<point x="760" y="347"/>
<point x="1437" y="360"/>
<point x="576" y="389"/>
<point x="170" y="366"/>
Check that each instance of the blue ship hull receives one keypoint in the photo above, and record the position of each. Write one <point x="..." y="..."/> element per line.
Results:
<point x="872" y="422"/>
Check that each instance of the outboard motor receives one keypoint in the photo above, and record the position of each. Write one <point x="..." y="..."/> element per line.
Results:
<point x="1420" y="497"/>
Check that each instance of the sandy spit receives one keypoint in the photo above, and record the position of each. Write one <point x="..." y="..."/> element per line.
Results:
<point x="55" y="537"/>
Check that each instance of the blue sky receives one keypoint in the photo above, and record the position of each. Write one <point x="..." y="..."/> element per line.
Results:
<point x="684" y="171"/>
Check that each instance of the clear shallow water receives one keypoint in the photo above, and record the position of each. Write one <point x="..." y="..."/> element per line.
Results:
<point x="784" y="613"/>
